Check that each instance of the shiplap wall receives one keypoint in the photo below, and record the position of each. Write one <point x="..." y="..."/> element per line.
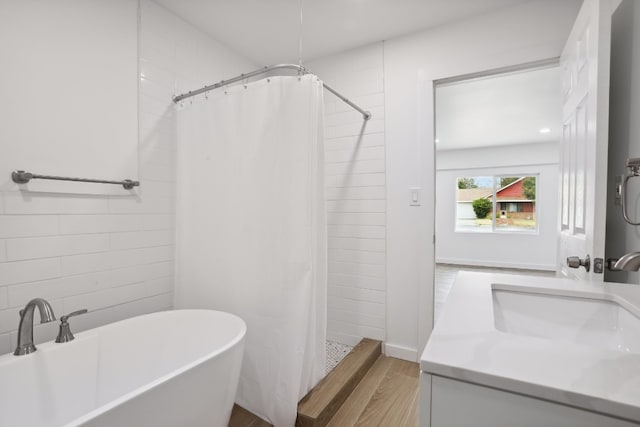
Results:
<point x="356" y="196"/>
<point x="111" y="254"/>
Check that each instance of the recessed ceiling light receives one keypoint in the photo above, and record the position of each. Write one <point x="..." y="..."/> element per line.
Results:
<point x="437" y="140"/>
<point x="545" y="130"/>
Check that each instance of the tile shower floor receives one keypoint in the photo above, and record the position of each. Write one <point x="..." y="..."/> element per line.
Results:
<point x="335" y="353"/>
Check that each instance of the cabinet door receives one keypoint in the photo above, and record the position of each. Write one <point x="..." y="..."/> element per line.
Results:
<point x="459" y="404"/>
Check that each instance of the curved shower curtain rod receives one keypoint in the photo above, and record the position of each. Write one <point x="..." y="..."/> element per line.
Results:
<point x="365" y="114"/>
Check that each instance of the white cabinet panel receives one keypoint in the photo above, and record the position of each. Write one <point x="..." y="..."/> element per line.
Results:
<point x="459" y="404"/>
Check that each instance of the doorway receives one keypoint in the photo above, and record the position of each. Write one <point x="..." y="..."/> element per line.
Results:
<point x="497" y="139"/>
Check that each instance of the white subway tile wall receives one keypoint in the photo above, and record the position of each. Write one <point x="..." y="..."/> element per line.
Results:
<point x="356" y="196"/>
<point x="113" y="255"/>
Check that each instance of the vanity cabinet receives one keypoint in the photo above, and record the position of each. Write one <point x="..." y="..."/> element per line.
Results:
<point x="516" y="351"/>
<point x="446" y="402"/>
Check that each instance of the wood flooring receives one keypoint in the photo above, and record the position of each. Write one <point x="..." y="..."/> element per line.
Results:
<point x="321" y="403"/>
<point x="240" y="417"/>
<point x="386" y="396"/>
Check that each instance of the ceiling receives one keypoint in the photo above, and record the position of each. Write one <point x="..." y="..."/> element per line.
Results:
<point x="497" y="110"/>
<point x="503" y="109"/>
<point x="267" y="32"/>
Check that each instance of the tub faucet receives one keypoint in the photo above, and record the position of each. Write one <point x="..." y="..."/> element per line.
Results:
<point x="628" y="262"/>
<point x="25" y="330"/>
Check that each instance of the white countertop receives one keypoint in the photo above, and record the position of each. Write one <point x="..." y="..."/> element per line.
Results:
<point x="465" y="345"/>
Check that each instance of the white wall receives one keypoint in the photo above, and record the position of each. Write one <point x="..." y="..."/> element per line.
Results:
<point x="514" y="250"/>
<point x="524" y="33"/>
<point x="355" y="179"/>
<point x="499" y="156"/>
<point x="70" y="92"/>
<point x="111" y="254"/>
<point x="175" y="58"/>
<point x="114" y="254"/>
<point x="624" y="133"/>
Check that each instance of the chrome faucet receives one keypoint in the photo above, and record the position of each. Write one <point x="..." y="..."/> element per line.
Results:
<point x="25" y="330"/>
<point x="628" y="262"/>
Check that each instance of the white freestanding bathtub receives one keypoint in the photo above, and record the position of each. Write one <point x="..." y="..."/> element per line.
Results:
<point x="172" y="368"/>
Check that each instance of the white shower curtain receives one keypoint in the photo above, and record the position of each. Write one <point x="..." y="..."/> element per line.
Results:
<point x="251" y="234"/>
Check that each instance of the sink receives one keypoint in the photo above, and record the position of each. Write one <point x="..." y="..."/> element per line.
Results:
<point x="571" y="342"/>
<point x="587" y="320"/>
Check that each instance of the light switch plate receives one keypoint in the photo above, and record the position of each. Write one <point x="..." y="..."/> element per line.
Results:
<point x="414" y="196"/>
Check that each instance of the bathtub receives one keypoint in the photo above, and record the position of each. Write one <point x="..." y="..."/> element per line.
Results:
<point x="172" y="368"/>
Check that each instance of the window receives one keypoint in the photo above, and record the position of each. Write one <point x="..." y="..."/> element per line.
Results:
<point x="511" y="207"/>
<point x="496" y="203"/>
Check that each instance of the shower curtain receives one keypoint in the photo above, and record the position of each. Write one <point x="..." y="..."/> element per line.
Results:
<point x="251" y="235"/>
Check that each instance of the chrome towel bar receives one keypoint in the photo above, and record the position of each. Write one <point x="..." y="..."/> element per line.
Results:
<point x="22" y="177"/>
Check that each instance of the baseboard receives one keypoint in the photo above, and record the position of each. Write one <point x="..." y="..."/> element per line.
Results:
<point x="497" y="264"/>
<point x="400" y="352"/>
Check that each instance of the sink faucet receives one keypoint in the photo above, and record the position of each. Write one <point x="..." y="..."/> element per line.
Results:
<point x="25" y="330"/>
<point x="628" y="262"/>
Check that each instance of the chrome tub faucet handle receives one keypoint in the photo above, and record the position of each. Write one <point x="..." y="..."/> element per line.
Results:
<point x="65" y="335"/>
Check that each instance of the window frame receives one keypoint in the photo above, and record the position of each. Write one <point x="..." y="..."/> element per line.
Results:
<point x="494" y="203"/>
